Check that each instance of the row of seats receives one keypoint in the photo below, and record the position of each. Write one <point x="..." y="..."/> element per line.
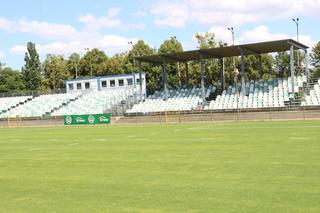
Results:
<point x="95" y="102"/>
<point x="177" y="100"/>
<point x="9" y="102"/>
<point x="40" y="105"/>
<point x="314" y="98"/>
<point x="258" y="94"/>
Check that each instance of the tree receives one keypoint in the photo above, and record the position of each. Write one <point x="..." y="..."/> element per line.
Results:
<point x="92" y="63"/>
<point x="173" y="70"/>
<point x="152" y="72"/>
<point x="315" y="61"/>
<point x="55" y="72"/>
<point x="117" y="64"/>
<point x="205" y="40"/>
<point x="73" y="64"/>
<point x="10" y="80"/>
<point x="32" y="69"/>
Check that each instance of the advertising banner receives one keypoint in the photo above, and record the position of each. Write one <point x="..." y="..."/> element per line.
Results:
<point x="87" y="119"/>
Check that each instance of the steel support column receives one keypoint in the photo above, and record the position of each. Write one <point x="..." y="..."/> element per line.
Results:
<point x="140" y="80"/>
<point x="306" y="58"/>
<point x="222" y="73"/>
<point x="164" y="80"/>
<point x="187" y="75"/>
<point x="260" y="66"/>
<point x="292" y="68"/>
<point x="202" y="76"/>
<point x="242" y="73"/>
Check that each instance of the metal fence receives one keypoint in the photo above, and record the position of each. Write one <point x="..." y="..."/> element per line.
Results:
<point x="179" y="117"/>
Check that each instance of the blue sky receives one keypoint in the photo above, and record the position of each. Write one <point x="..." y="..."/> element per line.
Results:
<point x="63" y="27"/>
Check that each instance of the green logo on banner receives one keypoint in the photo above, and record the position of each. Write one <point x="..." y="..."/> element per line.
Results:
<point x="87" y="119"/>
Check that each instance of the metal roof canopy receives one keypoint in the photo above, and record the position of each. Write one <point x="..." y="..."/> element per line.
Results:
<point x="221" y="52"/>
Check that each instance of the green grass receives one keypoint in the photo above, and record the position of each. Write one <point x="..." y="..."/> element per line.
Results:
<point x="225" y="167"/>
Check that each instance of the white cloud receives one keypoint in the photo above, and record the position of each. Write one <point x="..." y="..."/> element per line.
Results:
<point x="140" y="13"/>
<point x="111" y="44"/>
<point x="259" y="33"/>
<point x="96" y="23"/>
<point x="170" y="13"/>
<point x="42" y="29"/>
<point x="229" y="12"/>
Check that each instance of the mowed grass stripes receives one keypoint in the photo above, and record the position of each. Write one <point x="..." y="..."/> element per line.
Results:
<point x="224" y="167"/>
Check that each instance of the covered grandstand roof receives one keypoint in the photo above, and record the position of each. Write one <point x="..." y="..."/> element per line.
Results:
<point x="227" y="51"/>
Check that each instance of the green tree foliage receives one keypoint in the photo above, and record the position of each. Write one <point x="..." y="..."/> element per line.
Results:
<point x="10" y="80"/>
<point x="117" y="64"/>
<point x="32" y="69"/>
<point x="173" y="70"/>
<point x="152" y="72"/>
<point x="205" y="40"/>
<point x="315" y="61"/>
<point x="73" y="64"/>
<point x="282" y="64"/>
<point x="92" y="63"/>
<point x="55" y="72"/>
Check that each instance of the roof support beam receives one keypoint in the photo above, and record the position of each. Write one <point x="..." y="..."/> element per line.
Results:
<point x="204" y="52"/>
<point x="246" y="49"/>
<point x="297" y="46"/>
<point x="173" y="58"/>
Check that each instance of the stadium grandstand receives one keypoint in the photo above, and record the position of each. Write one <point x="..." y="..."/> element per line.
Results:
<point x="126" y="94"/>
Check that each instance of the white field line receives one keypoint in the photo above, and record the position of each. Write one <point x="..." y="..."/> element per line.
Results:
<point x="73" y="144"/>
<point x="298" y="138"/>
<point x="34" y="149"/>
<point x="98" y="139"/>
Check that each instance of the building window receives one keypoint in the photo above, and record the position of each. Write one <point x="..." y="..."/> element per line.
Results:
<point x="121" y="82"/>
<point x="70" y="86"/>
<point x="138" y="80"/>
<point x="129" y="81"/>
<point x="78" y="85"/>
<point x="87" y="85"/>
<point x="104" y="83"/>
<point x="112" y="83"/>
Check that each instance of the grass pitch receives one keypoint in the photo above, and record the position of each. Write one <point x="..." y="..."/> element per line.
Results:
<point x="227" y="167"/>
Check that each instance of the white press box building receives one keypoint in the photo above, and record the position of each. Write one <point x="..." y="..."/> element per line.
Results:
<point x="102" y="83"/>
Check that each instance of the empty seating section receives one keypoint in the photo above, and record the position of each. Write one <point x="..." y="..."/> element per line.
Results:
<point x="178" y="100"/>
<point x="40" y="105"/>
<point x="8" y="102"/>
<point x="259" y="94"/>
<point x="314" y="98"/>
<point x="95" y="102"/>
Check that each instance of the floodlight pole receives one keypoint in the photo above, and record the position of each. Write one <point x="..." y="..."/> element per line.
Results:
<point x="296" y="21"/>
<point x="231" y="29"/>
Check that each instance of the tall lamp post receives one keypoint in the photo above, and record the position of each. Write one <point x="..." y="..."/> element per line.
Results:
<point x="87" y="49"/>
<point x="296" y="21"/>
<point x="231" y="29"/>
